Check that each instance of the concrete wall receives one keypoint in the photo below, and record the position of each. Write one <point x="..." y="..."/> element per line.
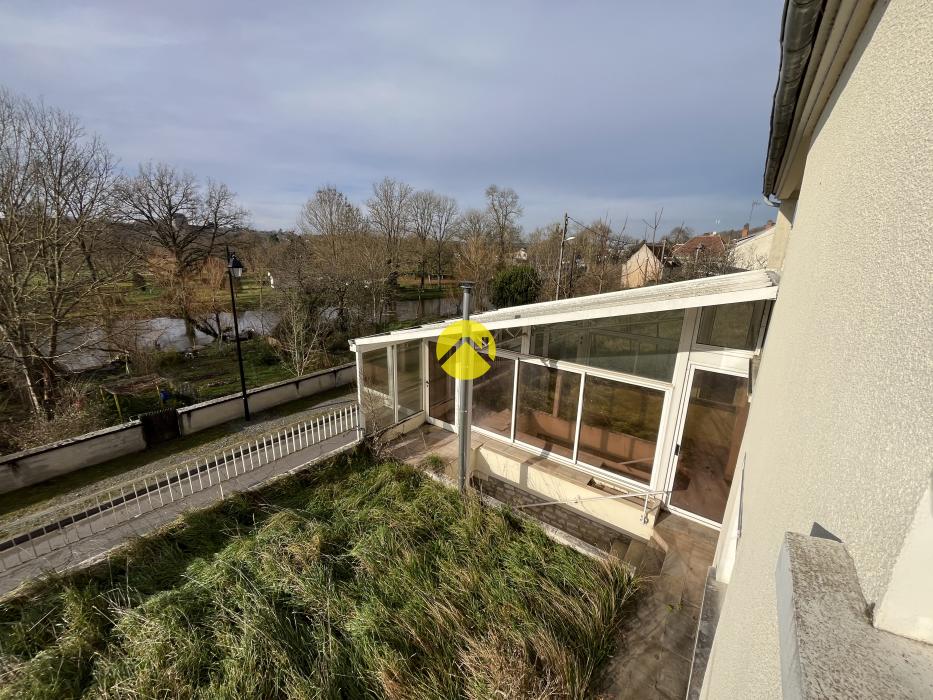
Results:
<point x="42" y="463"/>
<point x="841" y="430"/>
<point x="207" y="414"/>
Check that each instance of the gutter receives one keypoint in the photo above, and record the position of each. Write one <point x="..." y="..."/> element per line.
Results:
<point x="799" y="27"/>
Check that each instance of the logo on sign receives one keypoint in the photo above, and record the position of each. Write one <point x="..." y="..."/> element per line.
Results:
<point x="466" y="349"/>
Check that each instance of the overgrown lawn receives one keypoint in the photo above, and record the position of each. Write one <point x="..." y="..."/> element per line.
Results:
<point x="356" y="580"/>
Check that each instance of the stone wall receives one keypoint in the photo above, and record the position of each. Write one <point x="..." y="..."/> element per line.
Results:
<point x="557" y="516"/>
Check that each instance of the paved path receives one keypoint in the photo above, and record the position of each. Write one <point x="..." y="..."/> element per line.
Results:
<point x="146" y="508"/>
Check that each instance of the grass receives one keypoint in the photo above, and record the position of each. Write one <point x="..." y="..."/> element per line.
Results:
<point x="356" y="580"/>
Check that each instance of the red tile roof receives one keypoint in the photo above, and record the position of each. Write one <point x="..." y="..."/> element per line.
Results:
<point x="707" y="243"/>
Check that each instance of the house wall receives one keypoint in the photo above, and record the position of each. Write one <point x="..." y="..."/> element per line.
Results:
<point x="641" y="268"/>
<point x="840" y="431"/>
<point x="753" y="254"/>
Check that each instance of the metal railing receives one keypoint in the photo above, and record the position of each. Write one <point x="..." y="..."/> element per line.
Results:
<point x="646" y="495"/>
<point x="108" y="508"/>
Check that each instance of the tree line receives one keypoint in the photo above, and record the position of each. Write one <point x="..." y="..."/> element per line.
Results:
<point x="83" y="242"/>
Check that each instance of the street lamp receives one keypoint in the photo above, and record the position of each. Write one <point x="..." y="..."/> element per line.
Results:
<point x="235" y="270"/>
<point x="564" y="238"/>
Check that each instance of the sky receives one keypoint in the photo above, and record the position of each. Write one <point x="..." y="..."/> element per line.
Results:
<point x="600" y="109"/>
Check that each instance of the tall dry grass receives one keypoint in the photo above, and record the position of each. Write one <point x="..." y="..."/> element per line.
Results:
<point x="359" y="580"/>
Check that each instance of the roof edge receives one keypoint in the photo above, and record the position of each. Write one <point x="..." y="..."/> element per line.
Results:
<point x="799" y="26"/>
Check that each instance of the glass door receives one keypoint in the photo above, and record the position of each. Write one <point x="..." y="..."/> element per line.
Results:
<point x="441" y="390"/>
<point x="707" y="448"/>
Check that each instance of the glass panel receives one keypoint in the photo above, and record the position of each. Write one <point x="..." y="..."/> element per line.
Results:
<point x="408" y="372"/>
<point x="492" y="398"/>
<point x="547" y="408"/>
<point x="377" y="391"/>
<point x="508" y="339"/>
<point x="709" y="447"/>
<point x="619" y="427"/>
<point x="731" y="325"/>
<point x="640" y="344"/>
<point x="441" y="387"/>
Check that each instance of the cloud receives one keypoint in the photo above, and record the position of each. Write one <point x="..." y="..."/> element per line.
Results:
<point x="592" y="108"/>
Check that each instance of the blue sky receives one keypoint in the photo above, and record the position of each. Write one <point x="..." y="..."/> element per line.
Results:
<point x="600" y="109"/>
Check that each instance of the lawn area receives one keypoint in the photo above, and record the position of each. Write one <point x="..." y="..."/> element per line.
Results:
<point x="355" y="580"/>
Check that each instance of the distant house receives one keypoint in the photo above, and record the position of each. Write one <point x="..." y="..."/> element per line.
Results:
<point x="751" y="251"/>
<point x="645" y="264"/>
<point x="521" y="255"/>
<point x="708" y="244"/>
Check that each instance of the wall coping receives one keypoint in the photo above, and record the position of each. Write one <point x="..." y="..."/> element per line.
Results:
<point x="829" y="647"/>
<point x="263" y="388"/>
<point x="15" y="456"/>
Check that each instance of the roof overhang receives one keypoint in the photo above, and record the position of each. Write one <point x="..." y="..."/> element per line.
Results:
<point x="817" y="39"/>
<point x="709" y="291"/>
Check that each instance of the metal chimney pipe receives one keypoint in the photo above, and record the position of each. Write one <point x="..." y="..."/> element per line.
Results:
<point x="464" y="396"/>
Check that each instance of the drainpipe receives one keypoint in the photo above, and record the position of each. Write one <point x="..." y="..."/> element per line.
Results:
<point x="464" y="395"/>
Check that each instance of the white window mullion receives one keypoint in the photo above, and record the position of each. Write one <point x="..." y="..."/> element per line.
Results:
<point x="576" y="432"/>
<point x="514" y="401"/>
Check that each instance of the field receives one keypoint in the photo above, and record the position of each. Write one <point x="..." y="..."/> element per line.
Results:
<point x="357" y="580"/>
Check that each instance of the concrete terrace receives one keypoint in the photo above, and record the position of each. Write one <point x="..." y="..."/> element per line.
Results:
<point x="655" y="646"/>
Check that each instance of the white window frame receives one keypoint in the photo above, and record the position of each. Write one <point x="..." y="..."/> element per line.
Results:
<point x="706" y="363"/>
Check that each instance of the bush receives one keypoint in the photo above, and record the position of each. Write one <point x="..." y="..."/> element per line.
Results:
<point x="515" y="286"/>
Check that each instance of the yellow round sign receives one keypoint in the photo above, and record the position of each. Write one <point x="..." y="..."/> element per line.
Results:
<point x="466" y="349"/>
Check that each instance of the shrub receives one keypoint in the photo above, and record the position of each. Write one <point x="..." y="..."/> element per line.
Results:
<point x="515" y="286"/>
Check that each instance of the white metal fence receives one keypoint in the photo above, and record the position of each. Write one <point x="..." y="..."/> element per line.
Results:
<point x="101" y="511"/>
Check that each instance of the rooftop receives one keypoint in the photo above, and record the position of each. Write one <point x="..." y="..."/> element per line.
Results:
<point x="709" y="291"/>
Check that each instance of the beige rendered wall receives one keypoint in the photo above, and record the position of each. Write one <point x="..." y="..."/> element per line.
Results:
<point x="840" y="430"/>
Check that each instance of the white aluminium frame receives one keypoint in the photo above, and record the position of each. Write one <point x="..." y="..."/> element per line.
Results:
<point x="701" y="363"/>
<point x="585" y="371"/>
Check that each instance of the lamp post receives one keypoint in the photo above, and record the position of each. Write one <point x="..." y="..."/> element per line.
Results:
<point x="564" y="238"/>
<point x="235" y="270"/>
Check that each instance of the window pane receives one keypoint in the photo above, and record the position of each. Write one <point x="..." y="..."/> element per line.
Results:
<point x="377" y="392"/>
<point x="492" y="398"/>
<point x="731" y="325"/>
<point x="547" y="408"/>
<point x="709" y="448"/>
<point x="508" y="339"/>
<point x="619" y="428"/>
<point x="408" y="371"/>
<point x="441" y="387"/>
<point x="640" y="344"/>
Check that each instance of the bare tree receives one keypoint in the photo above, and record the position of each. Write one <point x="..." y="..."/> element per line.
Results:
<point x="427" y="212"/>
<point x="333" y="226"/>
<point x="504" y="212"/>
<point x="390" y="210"/>
<point x="172" y="213"/>
<point x="55" y="187"/>
<point x="477" y="253"/>
<point x="182" y="223"/>
<point x="444" y="229"/>
<point x="302" y="329"/>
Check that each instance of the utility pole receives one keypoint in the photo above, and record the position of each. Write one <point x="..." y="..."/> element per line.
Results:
<point x="464" y="391"/>
<point x="560" y="256"/>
